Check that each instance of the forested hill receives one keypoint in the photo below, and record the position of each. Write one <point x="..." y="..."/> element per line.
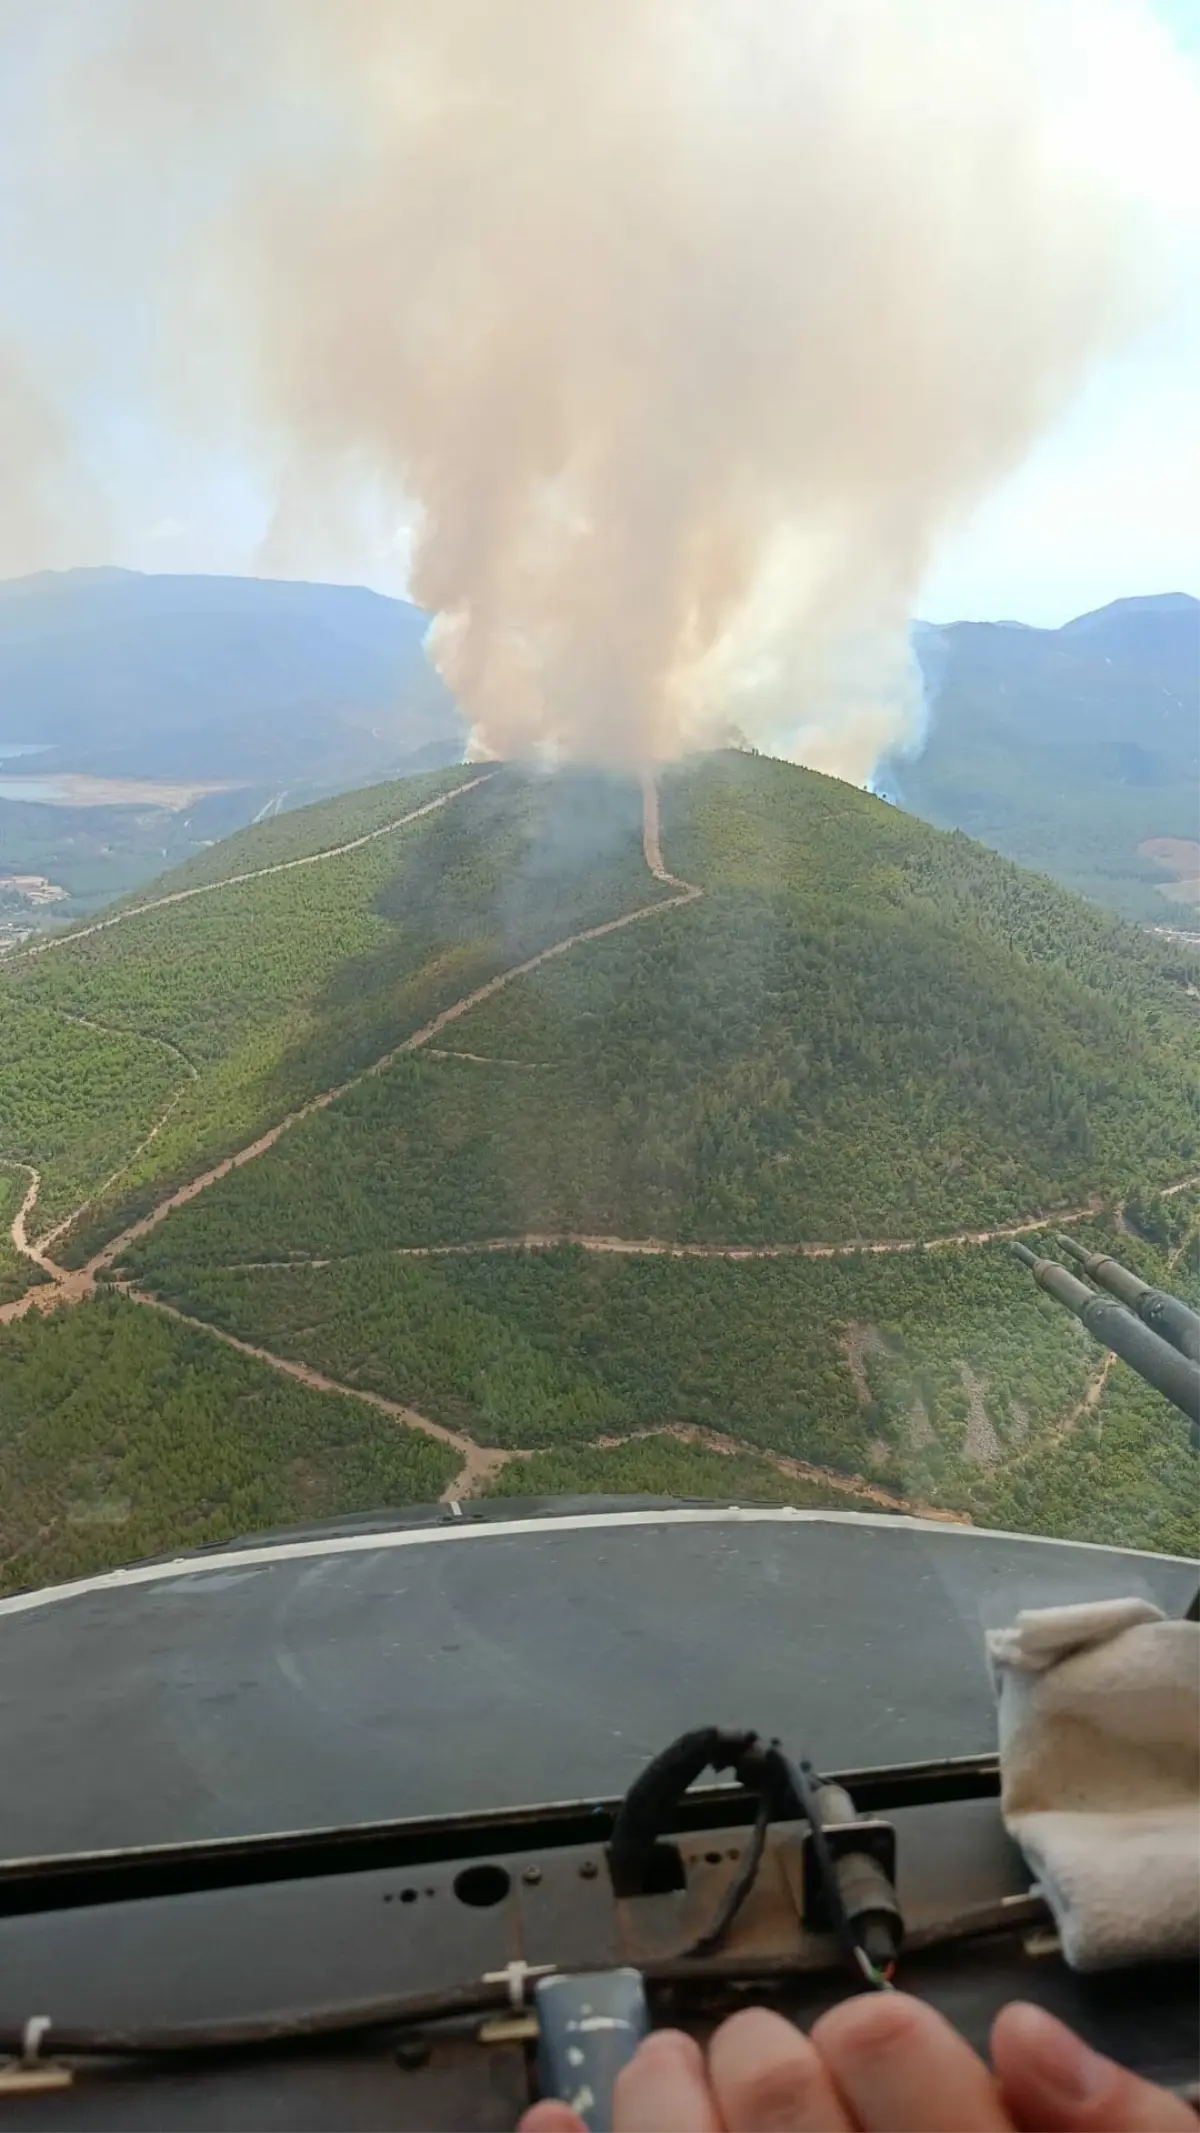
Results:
<point x="427" y="1089"/>
<point x="1076" y="749"/>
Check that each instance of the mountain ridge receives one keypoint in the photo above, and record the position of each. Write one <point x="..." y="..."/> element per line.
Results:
<point x="765" y="1076"/>
<point x="1067" y="749"/>
<point x="202" y="670"/>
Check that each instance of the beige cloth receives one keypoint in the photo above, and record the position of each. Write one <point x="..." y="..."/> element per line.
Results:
<point x="1099" y="1717"/>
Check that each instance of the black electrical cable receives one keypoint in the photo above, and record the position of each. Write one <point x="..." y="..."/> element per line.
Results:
<point x="741" y="1885"/>
<point x="647" y="1808"/>
<point x="782" y="1785"/>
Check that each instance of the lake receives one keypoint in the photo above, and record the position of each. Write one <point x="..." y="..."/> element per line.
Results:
<point x="32" y="789"/>
<point x="77" y="790"/>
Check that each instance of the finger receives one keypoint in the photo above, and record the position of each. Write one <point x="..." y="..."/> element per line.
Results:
<point x="680" y="2081"/>
<point x="901" y="2068"/>
<point x="1053" y="2081"/>
<point x="664" y="2088"/>
<point x="768" y="2078"/>
<point x="551" y="2117"/>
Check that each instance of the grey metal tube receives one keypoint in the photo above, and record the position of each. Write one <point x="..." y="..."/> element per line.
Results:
<point x="1172" y="1374"/>
<point x="1164" y="1314"/>
<point x="1119" y="1280"/>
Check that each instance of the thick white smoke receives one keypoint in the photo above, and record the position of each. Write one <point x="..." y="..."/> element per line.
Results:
<point x="685" y="329"/>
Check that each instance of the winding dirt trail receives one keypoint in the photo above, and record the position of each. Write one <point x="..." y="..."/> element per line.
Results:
<point x="478" y="1464"/>
<point x="68" y="1221"/>
<point x="231" y="881"/>
<point x="65" y="1278"/>
<point x="107" y="1029"/>
<point x="21" y="1241"/>
<point x="1089" y="1403"/>
<point x="419" y="1039"/>
<point x="527" y="1066"/>
<point x="60" y="1286"/>
<point x="68" y="1286"/>
<point x="652" y="839"/>
<point x="666" y="1248"/>
<point x="855" y="1485"/>
<point x="688" y="894"/>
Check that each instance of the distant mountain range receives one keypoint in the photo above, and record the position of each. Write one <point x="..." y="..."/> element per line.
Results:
<point x="252" y="679"/>
<point x="1069" y="749"/>
<point x="277" y="692"/>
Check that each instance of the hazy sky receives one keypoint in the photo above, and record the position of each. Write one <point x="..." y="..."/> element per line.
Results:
<point x="1106" y="505"/>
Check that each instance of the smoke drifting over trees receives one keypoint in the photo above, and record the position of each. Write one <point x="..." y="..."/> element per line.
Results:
<point x="682" y="330"/>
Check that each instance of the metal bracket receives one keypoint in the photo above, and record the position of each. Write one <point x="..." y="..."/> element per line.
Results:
<point x="509" y="2029"/>
<point x="31" y="2075"/>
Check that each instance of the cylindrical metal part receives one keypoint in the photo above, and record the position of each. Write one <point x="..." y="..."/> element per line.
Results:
<point x="836" y="1804"/>
<point x="1117" y="1279"/>
<point x="1172" y="1374"/>
<point x="870" y="1901"/>
<point x="1172" y="1319"/>
<point x="871" y="1905"/>
<point x="1165" y="1315"/>
<point x="1066" y="1287"/>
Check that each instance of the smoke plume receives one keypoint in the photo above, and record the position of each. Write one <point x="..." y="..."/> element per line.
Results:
<point x="682" y="330"/>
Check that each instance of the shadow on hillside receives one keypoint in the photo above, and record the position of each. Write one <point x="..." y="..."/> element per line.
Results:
<point x="515" y="865"/>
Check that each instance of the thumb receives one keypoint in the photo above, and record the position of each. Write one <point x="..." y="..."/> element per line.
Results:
<point x="1052" y="2082"/>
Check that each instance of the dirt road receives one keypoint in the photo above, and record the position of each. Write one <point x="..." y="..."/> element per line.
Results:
<point x="231" y="881"/>
<point x="478" y="1465"/>
<point x="106" y="1029"/>
<point x="60" y="1286"/>
<point x="66" y="1286"/>
<point x="855" y="1485"/>
<point x="659" y="1247"/>
<point x="420" y="1038"/>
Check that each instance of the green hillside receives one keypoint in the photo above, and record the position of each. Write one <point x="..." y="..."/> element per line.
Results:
<point x="533" y="1349"/>
<point x="846" y="1030"/>
<point x="123" y="1434"/>
<point x="861" y="1028"/>
<point x="944" y="1378"/>
<point x="260" y="995"/>
<point x="14" y="1271"/>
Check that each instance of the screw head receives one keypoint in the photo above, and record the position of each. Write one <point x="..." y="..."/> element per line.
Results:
<point x="411" y="2053"/>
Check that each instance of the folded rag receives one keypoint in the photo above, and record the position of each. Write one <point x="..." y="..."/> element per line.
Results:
<point x="1099" y="1718"/>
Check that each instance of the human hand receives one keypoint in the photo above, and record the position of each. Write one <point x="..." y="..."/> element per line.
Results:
<point x="879" y="2063"/>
